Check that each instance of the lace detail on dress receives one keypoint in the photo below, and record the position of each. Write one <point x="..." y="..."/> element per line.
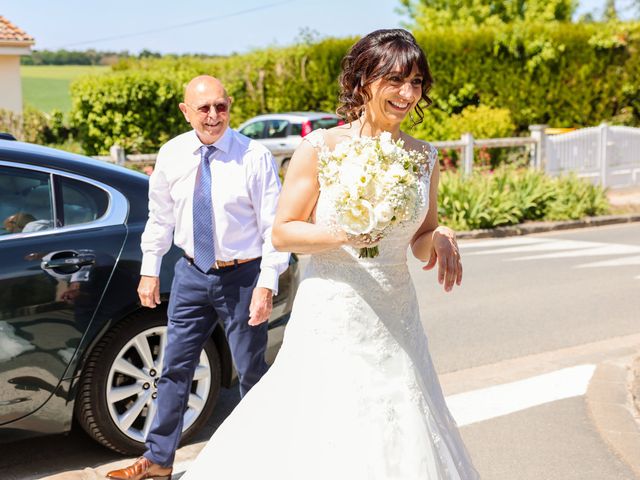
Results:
<point x="316" y="138"/>
<point x="432" y="157"/>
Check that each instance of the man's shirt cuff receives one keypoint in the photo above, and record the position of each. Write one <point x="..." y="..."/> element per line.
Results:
<point x="268" y="278"/>
<point x="150" y="265"/>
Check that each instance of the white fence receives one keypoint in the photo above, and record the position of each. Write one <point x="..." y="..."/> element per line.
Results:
<point x="608" y="155"/>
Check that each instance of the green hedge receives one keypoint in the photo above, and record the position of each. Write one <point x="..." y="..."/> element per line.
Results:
<point x="137" y="105"/>
<point x="507" y="196"/>
<point x="36" y="127"/>
<point x="489" y="80"/>
<point x="565" y="75"/>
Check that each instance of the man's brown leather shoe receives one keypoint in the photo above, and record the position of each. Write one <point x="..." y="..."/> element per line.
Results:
<point x="142" y="468"/>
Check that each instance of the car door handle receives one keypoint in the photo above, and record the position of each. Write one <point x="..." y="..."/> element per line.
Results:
<point x="78" y="260"/>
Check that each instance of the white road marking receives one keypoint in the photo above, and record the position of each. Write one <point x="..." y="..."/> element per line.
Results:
<point x="487" y="403"/>
<point x="601" y="250"/>
<point x="502" y="242"/>
<point x="549" y="248"/>
<point x="616" y="262"/>
<point x="541" y="247"/>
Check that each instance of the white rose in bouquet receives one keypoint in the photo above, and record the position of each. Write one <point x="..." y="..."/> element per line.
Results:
<point x="358" y="219"/>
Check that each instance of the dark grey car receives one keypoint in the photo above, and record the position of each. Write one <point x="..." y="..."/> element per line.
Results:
<point x="75" y="344"/>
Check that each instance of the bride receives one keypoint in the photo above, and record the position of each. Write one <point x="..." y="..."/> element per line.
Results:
<point x="353" y="393"/>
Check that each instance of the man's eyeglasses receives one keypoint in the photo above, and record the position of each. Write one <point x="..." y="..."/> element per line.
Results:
<point x="220" y="107"/>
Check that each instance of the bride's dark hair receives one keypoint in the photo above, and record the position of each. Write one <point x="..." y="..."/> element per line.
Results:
<point x="373" y="57"/>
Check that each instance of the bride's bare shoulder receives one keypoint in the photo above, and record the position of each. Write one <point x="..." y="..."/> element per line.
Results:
<point x="411" y="143"/>
<point x="340" y="133"/>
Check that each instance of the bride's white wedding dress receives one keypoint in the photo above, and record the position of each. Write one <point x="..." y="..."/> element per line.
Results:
<point x="353" y="393"/>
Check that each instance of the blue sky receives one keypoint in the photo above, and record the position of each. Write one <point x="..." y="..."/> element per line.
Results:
<point x="199" y="26"/>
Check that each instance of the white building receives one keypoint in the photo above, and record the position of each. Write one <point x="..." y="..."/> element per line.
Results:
<point x="14" y="42"/>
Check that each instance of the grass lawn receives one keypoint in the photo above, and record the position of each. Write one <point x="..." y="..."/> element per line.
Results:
<point x="46" y="87"/>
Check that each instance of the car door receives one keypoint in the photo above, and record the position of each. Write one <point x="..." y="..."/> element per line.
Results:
<point x="60" y="241"/>
<point x="277" y="138"/>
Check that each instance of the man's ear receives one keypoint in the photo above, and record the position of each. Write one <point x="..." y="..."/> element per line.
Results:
<point x="230" y="101"/>
<point x="183" y="109"/>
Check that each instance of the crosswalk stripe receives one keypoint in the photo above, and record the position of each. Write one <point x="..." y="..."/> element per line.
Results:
<point x="532" y="249"/>
<point x="616" y="262"/>
<point x="487" y="403"/>
<point x="541" y="247"/>
<point x="502" y="242"/>
<point x="602" y="250"/>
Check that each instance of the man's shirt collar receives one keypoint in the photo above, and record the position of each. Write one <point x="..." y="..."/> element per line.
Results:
<point x="223" y="143"/>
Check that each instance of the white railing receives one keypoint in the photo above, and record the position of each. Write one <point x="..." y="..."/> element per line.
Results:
<point x="467" y="145"/>
<point x="608" y="155"/>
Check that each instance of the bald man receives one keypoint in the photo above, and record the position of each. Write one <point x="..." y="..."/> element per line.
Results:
<point x="213" y="192"/>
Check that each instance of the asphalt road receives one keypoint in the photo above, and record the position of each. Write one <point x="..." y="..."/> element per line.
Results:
<point x="528" y="306"/>
<point x="531" y="294"/>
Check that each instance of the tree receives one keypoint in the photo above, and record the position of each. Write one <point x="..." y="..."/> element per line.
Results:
<point x="429" y="13"/>
<point x="610" y="12"/>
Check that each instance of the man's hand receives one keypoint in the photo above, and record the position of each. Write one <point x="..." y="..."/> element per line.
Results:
<point x="261" y="305"/>
<point x="149" y="291"/>
<point x="445" y="253"/>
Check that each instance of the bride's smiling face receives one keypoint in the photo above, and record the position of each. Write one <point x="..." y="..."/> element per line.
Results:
<point x="394" y="95"/>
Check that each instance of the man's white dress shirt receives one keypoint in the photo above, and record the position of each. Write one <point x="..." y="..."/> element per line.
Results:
<point x="244" y="189"/>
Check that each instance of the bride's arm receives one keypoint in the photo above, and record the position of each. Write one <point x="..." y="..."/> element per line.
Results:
<point x="433" y="243"/>
<point x="291" y="231"/>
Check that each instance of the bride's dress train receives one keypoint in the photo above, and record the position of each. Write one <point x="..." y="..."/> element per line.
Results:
<point x="353" y="393"/>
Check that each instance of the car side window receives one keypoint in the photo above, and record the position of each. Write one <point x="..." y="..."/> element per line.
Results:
<point x="277" y="128"/>
<point x="296" y="129"/>
<point x="81" y="202"/>
<point x="25" y="201"/>
<point x="329" y="122"/>
<point x="254" y="130"/>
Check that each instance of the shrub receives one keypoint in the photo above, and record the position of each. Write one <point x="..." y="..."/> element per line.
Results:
<point x="482" y="121"/>
<point x="508" y="196"/>
<point x="137" y="110"/>
<point x="574" y="199"/>
<point x="35" y="126"/>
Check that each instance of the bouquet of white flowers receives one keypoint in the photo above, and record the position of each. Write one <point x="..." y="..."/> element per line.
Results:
<point x="373" y="184"/>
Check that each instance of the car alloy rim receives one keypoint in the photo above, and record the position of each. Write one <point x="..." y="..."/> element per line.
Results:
<point x="133" y="380"/>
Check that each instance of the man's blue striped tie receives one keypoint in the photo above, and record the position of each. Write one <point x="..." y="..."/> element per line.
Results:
<point x="203" y="222"/>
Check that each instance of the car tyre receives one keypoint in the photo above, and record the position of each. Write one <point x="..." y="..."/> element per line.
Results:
<point x="102" y="382"/>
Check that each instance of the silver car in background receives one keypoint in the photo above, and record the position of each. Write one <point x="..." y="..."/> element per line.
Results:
<point x="281" y="133"/>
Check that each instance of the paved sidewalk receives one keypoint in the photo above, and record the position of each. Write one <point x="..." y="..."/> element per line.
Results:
<point x="624" y="197"/>
<point x="612" y="399"/>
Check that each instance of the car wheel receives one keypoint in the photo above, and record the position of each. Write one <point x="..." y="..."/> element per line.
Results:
<point x="116" y="401"/>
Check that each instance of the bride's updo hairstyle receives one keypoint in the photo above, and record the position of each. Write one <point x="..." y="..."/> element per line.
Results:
<point x="376" y="56"/>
